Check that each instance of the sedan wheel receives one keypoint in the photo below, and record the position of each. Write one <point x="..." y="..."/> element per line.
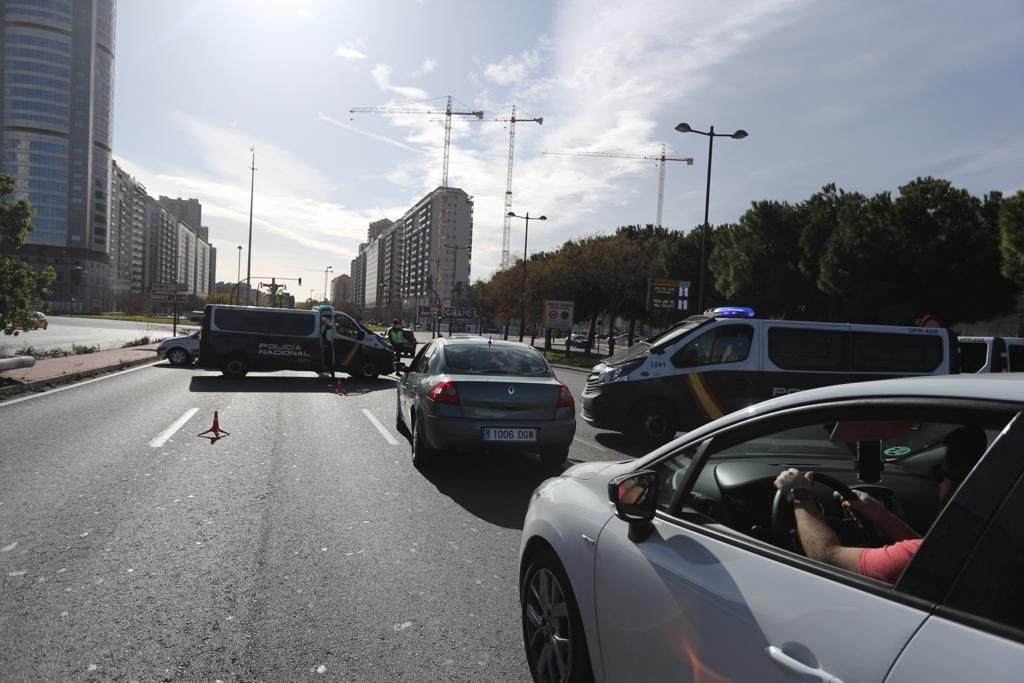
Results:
<point x="369" y="371"/>
<point x="422" y="454"/>
<point x="556" y="648"/>
<point x="178" y="357"/>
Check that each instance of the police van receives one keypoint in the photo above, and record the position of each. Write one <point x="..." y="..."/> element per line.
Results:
<point x="991" y="354"/>
<point x="724" y="360"/>
<point x="240" y="339"/>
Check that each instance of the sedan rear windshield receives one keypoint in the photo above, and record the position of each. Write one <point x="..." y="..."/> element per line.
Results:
<point x="494" y="360"/>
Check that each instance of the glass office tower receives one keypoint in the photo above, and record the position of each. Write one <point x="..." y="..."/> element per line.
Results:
<point x="56" y="70"/>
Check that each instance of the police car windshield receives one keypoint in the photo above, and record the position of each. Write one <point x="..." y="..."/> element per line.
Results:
<point x="666" y="338"/>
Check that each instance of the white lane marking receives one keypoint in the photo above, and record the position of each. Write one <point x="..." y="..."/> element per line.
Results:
<point x="50" y="392"/>
<point x="380" y="428"/>
<point x="590" y="444"/>
<point x="175" y="426"/>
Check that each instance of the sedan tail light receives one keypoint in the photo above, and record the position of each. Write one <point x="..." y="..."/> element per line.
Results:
<point x="565" y="399"/>
<point x="445" y="392"/>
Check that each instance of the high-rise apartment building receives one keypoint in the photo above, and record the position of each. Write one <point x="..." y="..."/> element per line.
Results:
<point x="435" y="256"/>
<point x="56" y="72"/>
<point x="341" y="289"/>
<point x="127" y="237"/>
<point x="188" y="210"/>
<point x="357" y="270"/>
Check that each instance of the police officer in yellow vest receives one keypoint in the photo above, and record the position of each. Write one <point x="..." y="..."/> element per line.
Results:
<point x="396" y="336"/>
<point x="327" y="334"/>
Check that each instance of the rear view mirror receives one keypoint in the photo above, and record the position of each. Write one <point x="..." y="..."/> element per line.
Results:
<point x="634" y="497"/>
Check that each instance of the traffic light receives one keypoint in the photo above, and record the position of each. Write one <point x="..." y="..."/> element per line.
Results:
<point x="300" y="282"/>
<point x="440" y="317"/>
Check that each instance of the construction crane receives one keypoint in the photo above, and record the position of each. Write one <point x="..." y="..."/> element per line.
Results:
<point x="661" y="159"/>
<point x="448" y="114"/>
<point x="506" y="231"/>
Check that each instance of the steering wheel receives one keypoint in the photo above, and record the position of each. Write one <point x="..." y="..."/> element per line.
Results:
<point x="784" y="522"/>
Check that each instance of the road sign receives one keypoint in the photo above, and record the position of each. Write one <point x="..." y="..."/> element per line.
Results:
<point x="169" y="287"/>
<point x="169" y="297"/>
<point x="558" y="315"/>
<point x="667" y="295"/>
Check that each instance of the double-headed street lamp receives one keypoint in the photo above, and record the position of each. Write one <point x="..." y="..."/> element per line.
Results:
<point x="711" y="134"/>
<point x="526" y="237"/>
<point x="328" y="269"/>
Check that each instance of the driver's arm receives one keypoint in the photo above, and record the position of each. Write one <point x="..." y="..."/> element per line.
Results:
<point x="891" y="525"/>
<point x="820" y="541"/>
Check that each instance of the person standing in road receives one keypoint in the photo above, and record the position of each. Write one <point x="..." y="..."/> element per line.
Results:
<point x="327" y="335"/>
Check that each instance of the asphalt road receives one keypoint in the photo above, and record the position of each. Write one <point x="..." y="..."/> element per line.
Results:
<point x="302" y="547"/>
<point x="64" y="332"/>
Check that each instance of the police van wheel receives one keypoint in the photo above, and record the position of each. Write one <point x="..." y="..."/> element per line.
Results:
<point x="369" y="371"/>
<point x="653" y="424"/>
<point x="234" y="368"/>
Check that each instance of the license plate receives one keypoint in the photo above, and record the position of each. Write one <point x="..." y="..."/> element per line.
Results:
<point x="509" y="434"/>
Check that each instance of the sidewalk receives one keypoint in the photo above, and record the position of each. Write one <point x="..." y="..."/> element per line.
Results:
<point x="50" y="372"/>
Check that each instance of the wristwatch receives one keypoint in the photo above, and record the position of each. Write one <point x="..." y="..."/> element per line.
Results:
<point x="799" y="495"/>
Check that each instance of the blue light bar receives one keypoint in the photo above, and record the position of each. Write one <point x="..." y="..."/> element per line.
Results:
<point x="731" y="312"/>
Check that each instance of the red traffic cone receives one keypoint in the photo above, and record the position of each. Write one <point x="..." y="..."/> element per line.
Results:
<point x="338" y="388"/>
<point x="215" y="431"/>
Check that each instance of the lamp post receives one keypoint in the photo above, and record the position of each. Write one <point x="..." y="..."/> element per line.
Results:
<point x="248" y="267"/>
<point x="526" y="237"/>
<point x="455" y="266"/>
<point x="238" y="276"/>
<point x="711" y="135"/>
<point x="327" y="270"/>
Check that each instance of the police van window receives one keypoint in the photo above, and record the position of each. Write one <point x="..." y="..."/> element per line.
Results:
<point x="991" y="585"/>
<point x="793" y="348"/>
<point x="973" y="356"/>
<point x="264" y="322"/>
<point x="880" y="352"/>
<point x="1016" y="355"/>
<point x="723" y="344"/>
<point x="346" y="327"/>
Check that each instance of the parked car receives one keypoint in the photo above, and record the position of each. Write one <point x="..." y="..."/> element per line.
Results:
<point x="41" y="320"/>
<point x="475" y="394"/>
<point x="179" y="351"/>
<point x="689" y="556"/>
<point x="578" y="341"/>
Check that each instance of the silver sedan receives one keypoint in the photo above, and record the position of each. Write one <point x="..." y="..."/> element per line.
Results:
<point x="478" y="395"/>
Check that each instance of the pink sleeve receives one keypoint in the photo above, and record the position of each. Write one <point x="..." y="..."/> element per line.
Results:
<point x="887" y="563"/>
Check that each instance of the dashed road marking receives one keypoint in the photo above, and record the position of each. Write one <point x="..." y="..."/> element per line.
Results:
<point x="380" y="428"/>
<point x="162" y="438"/>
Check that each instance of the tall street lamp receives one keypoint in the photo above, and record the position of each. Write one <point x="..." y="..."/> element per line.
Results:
<point x="248" y="267"/>
<point x="526" y="237"/>
<point x="711" y="134"/>
<point x="238" y="276"/>
<point x="455" y="266"/>
<point x="328" y="269"/>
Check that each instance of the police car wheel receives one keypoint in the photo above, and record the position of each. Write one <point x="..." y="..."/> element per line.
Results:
<point x="369" y="371"/>
<point x="653" y="424"/>
<point x="234" y="368"/>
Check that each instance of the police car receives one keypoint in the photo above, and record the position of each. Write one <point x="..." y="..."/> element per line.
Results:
<point x="726" y="359"/>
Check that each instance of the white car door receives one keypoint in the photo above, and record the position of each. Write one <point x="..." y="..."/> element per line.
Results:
<point x="700" y="601"/>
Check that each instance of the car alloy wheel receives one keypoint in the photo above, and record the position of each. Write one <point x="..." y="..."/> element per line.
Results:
<point x="552" y="631"/>
<point x="653" y="423"/>
<point x="235" y="368"/>
<point x="422" y="454"/>
<point x="178" y="356"/>
<point x="369" y="371"/>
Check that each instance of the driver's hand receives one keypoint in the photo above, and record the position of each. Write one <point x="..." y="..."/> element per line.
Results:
<point x="792" y="479"/>
<point x="865" y="505"/>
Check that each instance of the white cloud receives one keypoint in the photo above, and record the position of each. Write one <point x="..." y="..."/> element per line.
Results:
<point x="306" y="14"/>
<point x="426" y="66"/>
<point x="374" y="136"/>
<point x="511" y="69"/>
<point x="348" y="51"/>
<point x="382" y="76"/>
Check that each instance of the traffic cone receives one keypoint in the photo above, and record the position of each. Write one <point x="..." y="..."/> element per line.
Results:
<point x="338" y="388"/>
<point x="214" y="432"/>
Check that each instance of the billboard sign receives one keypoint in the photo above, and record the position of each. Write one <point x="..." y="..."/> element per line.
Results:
<point x="667" y="295"/>
<point x="169" y="297"/>
<point x="558" y="315"/>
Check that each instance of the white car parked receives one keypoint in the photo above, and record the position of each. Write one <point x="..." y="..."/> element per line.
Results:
<point x="684" y="565"/>
<point x="179" y="350"/>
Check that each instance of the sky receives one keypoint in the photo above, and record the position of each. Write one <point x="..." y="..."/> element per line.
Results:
<point x="868" y="94"/>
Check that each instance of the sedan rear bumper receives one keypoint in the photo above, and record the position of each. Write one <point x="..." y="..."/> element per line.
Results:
<point x="459" y="434"/>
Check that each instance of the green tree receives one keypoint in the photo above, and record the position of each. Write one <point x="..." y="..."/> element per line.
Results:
<point x="22" y="290"/>
<point x="1011" y="237"/>
<point x="756" y="262"/>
